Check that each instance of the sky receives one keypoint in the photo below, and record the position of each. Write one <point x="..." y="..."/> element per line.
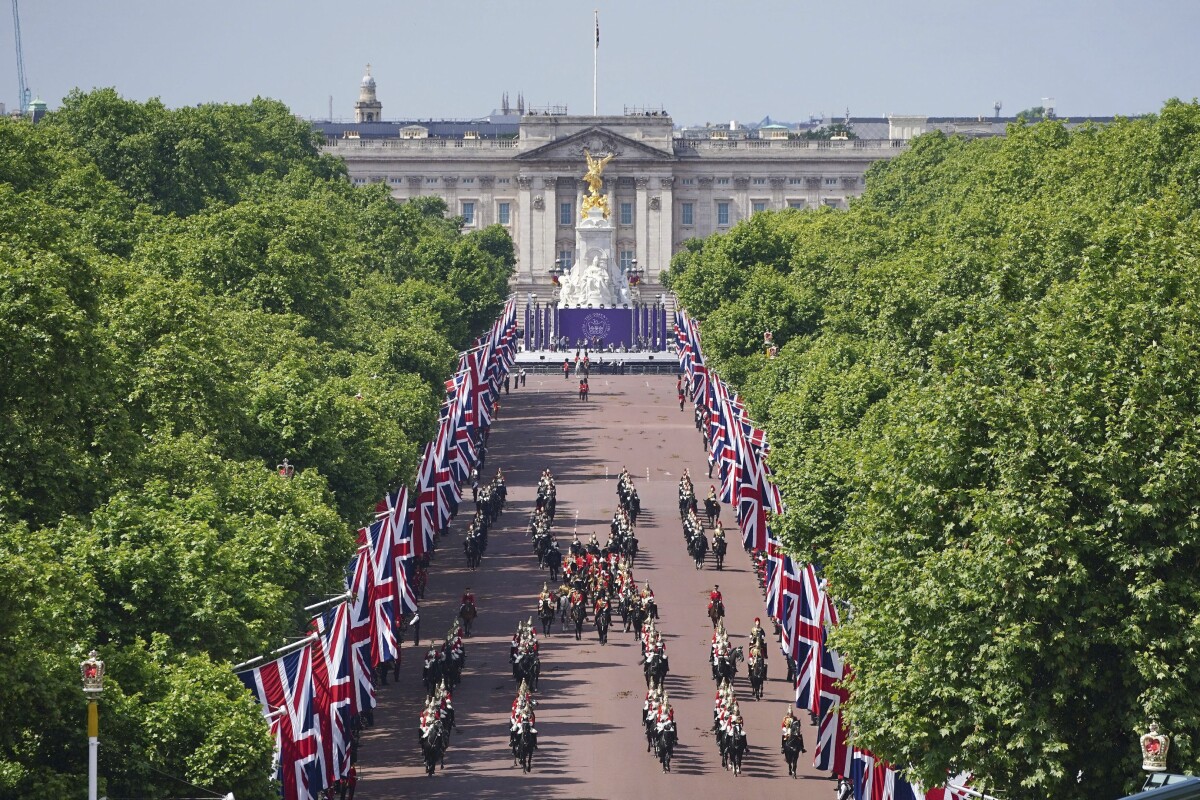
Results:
<point x="702" y="61"/>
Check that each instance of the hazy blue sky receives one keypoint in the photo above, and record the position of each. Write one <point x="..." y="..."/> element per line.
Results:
<point x="701" y="61"/>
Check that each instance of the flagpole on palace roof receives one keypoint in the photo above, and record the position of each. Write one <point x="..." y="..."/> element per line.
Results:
<point x="596" y="63"/>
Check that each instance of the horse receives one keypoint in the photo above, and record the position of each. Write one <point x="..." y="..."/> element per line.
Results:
<point x="637" y="619"/>
<point x="725" y="668"/>
<point x="758" y="676"/>
<point x="629" y="548"/>
<point x="467" y="613"/>
<point x="433" y="747"/>
<point x="736" y="747"/>
<point x="471" y="546"/>
<point x="666" y="745"/>
<point x="546" y="614"/>
<point x="712" y="511"/>
<point x="523" y="749"/>
<point x="603" y="620"/>
<point x="720" y="546"/>
<point x="716" y="612"/>
<point x="698" y="549"/>
<point x="578" y="615"/>
<point x="554" y="562"/>
<point x="656" y="669"/>
<point x="431" y="676"/>
<point x="527" y="668"/>
<point x="793" y="746"/>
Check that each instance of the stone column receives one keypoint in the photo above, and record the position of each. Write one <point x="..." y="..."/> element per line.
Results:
<point x="641" y="223"/>
<point x="487" y="212"/>
<point x="777" y="198"/>
<point x="450" y="192"/>
<point x="813" y="185"/>
<point x="707" y="214"/>
<point x="526" y="232"/>
<point x="741" y="197"/>
<point x="415" y="182"/>
<point x="663" y="242"/>
<point x="549" y="213"/>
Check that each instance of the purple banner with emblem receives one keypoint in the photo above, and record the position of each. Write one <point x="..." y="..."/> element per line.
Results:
<point x="587" y="325"/>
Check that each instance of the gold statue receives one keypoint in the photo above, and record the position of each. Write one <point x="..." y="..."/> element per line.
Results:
<point x="594" y="181"/>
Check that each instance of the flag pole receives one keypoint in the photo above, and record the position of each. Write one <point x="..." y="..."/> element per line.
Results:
<point x="596" y="63"/>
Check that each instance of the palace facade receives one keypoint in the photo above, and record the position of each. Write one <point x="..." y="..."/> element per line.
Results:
<point x="522" y="169"/>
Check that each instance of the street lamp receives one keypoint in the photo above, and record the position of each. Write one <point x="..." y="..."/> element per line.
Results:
<point x="92" y="671"/>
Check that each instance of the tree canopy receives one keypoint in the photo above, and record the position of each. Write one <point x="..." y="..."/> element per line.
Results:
<point x="984" y="418"/>
<point x="187" y="297"/>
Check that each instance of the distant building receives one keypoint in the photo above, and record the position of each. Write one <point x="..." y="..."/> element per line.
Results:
<point x="665" y="186"/>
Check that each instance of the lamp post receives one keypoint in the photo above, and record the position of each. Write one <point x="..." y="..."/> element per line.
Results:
<point x="92" y="671"/>
<point x="539" y="336"/>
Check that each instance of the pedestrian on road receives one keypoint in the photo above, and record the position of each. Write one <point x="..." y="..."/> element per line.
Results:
<point x="681" y="398"/>
<point x="522" y="376"/>
<point x="711" y="463"/>
<point x="506" y="384"/>
<point x="567" y="368"/>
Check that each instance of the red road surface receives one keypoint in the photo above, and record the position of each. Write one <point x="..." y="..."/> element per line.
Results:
<point x="590" y="736"/>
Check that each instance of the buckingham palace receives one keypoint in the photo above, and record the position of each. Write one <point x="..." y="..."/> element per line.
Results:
<point x="521" y="168"/>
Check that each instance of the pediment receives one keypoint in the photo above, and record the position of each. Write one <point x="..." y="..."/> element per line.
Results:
<point x="596" y="140"/>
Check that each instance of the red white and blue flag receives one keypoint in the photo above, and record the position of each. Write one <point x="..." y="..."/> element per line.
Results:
<point x="286" y="685"/>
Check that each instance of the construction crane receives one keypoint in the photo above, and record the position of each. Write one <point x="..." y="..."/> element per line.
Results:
<point x="25" y="94"/>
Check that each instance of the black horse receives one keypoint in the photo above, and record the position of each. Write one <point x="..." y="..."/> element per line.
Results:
<point x="735" y="748"/>
<point x="433" y="747"/>
<point x="716" y="612"/>
<point x="698" y="549"/>
<point x="527" y="668"/>
<point x="603" y="620"/>
<point x="712" y="511"/>
<point x="546" y="608"/>
<point x="554" y="562"/>
<point x="523" y="749"/>
<point x="656" y="668"/>
<point x="725" y="668"/>
<point x="719" y="548"/>
<point x="793" y="746"/>
<point x="578" y="615"/>
<point x="757" y="669"/>
<point x="473" y="550"/>
<point x="667" y="738"/>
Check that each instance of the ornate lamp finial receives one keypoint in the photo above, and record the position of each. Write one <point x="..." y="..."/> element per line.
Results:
<point x="1154" y="749"/>
<point x="92" y="671"/>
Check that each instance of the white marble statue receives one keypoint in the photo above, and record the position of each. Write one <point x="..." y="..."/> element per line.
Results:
<point x="594" y="285"/>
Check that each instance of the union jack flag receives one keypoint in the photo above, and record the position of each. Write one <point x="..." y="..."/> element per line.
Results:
<point x="833" y="753"/>
<point x="426" y="523"/>
<point x="333" y="688"/>
<point x="286" y="685"/>
<point x="360" y="630"/>
<point x="382" y="592"/>
<point x="402" y="553"/>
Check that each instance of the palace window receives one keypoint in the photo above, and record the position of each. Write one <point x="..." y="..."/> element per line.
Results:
<point x="722" y="181"/>
<point x="468" y="180"/>
<point x="758" y="205"/>
<point x="795" y="204"/>
<point x="686" y="213"/>
<point x="565" y="213"/>
<point x="688" y="181"/>
<point x="760" y="181"/>
<point x="502" y="213"/>
<point x="501" y="180"/>
<point x="431" y="181"/>
<point x="831" y="181"/>
<point x="795" y="181"/>
<point x="722" y="213"/>
<point x="626" y="260"/>
<point x="626" y="213"/>
<point x="566" y="258"/>
<point x="468" y="212"/>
